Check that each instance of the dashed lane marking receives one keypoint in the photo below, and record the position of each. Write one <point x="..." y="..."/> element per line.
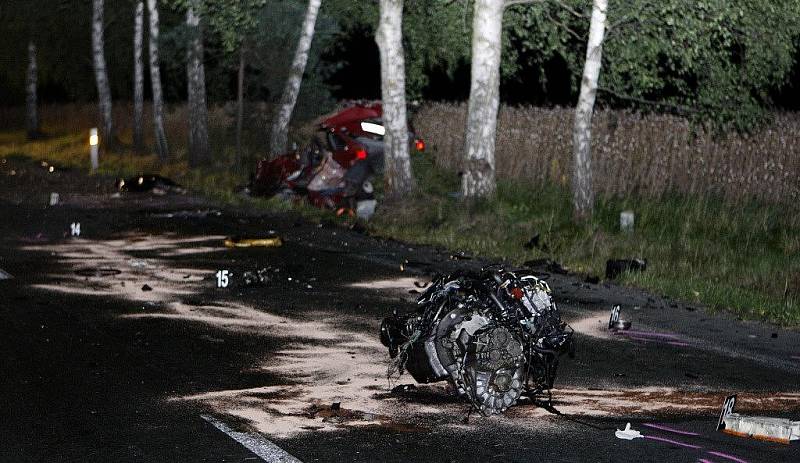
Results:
<point x="256" y="443"/>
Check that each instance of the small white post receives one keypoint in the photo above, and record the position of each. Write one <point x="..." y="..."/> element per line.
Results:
<point x="94" y="141"/>
<point x="626" y="219"/>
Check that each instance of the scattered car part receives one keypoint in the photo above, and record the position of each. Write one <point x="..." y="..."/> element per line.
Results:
<point x="149" y="183"/>
<point x="237" y="242"/>
<point x="615" y="267"/>
<point x="549" y="265"/>
<point x="365" y="209"/>
<point x="626" y="221"/>
<point x="198" y="214"/>
<point x="628" y="433"/>
<point x="762" y="428"/>
<point x="334" y="169"/>
<point x="757" y="427"/>
<point x="494" y="335"/>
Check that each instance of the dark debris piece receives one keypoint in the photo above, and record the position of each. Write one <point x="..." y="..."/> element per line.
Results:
<point x="148" y="184"/>
<point x="615" y="267"/>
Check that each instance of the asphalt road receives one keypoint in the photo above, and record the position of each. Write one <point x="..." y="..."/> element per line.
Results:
<point x="117" y="345"/>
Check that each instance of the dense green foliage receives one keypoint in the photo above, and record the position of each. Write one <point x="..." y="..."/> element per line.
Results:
<point x="711" y="60"/>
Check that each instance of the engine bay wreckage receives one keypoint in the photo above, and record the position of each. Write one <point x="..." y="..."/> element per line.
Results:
<point x="495" y="335"/>
<point x="336" y="169"/>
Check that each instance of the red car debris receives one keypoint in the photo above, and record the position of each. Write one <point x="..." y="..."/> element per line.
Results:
<point x="335" y="169"/>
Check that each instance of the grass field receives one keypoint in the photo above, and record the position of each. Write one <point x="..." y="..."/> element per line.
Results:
<point x="742" y="257"/>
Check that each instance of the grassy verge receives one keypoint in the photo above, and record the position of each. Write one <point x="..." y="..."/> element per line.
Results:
<point x="739" y="257"/>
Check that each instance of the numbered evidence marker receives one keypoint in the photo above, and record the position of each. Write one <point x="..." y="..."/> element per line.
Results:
<point x="614" y="316"/>
<point x="223" y="278"/>
<point x="75" y="229"/>
<point x="727" y="409"/>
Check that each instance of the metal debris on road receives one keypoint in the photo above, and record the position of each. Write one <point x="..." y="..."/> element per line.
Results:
<point x="198" y="214"/>
<point x="780" y="430"/>
<point x="155" y="184"/>
<point x="494" y="335"/>
<point x="764" y="428"/>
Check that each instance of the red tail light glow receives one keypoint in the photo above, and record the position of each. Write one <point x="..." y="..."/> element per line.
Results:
<point x="361" y="154"/>
<point x="419" y="144"/>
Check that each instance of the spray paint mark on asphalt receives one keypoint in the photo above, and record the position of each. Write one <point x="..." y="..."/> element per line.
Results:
<point x="669" y="429"/>
<point x="673" y="442"/>
<point x="726" y="456"/>
<point x="255" y="443"/>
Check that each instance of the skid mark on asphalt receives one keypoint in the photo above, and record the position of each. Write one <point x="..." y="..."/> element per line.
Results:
<point x="256" y="443"/>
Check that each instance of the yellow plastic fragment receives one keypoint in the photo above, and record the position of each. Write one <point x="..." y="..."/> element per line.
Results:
<point x="273" y="242"/>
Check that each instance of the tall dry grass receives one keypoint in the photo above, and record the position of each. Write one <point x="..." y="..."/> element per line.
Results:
<point x="631" y="153"/>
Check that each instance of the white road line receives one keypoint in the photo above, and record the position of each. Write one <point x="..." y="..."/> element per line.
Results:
<point x="256" y="443"/>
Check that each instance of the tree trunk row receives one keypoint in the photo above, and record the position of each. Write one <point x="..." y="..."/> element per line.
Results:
<point x="101" y="76"/>
<point x="162" y="149"/>
<point x="280" y="126"/>
<point x="32" y="113"/>
<point x="582" y="188"/>
<point x="399" y="180"/>
<point x="199" y="151"/>
<point x="138" y="77"/>
<point x="478" y="177"/>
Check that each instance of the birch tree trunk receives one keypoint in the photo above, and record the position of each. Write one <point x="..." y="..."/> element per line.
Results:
<point x="196" y="92"/>
<point x="100" y="74"/>
<point x="240" y="107"/>
<point x="138" y="77"/>
<point x="582" y="189"/>
<point x="162" y="149"/>
<point x="478" y="178"/>
<point x="32" y="116"/>
<point x="389" y="36"/>
<point x="280" y="125"/>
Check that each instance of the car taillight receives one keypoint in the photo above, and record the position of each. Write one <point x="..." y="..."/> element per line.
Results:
<point x="361" y="154"/>
<point x="419" y="144"/>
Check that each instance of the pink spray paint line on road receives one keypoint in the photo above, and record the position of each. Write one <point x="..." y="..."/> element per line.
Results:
<point x="669" y="429"/>
<point x="727" y="457"/>
<point x="647" y="334"/>
<point x="673" y="442"/>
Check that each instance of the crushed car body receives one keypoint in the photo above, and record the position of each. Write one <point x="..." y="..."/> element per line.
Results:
<point x="334" y="170"/>
<point x="494" y="335"/>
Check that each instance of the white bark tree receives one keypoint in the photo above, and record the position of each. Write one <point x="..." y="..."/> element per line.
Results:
<point x="32" y="116"/>
<point x="240" y="106"/>
<point x="199" y="151"/>
<point x="280" y="124"/>
<point x="582" y="189"/>
<point x="478" y="177"/>
<point x="399" y="180"/>
<point x="162" y="149"/>
<point x="100" y="73"/>
<point x="138" y="76"/>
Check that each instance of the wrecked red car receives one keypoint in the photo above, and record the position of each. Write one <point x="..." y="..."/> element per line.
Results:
<point x="334" y="170"/>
